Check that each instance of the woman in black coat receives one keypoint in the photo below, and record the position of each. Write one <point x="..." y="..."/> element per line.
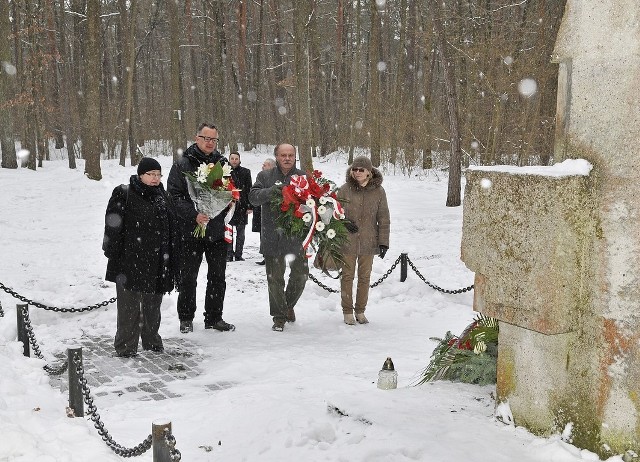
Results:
<point x="140" y="243"/>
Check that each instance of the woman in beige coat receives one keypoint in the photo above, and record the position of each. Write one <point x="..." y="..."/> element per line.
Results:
<point x="365" y="205"/>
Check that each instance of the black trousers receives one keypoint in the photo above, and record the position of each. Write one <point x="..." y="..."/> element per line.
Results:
<point x="239" y="235"/>
<point x="138" y="316"/>
<point x="216" y="255"/>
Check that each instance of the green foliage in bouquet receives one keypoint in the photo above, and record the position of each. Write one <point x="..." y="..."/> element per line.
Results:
<point x="469" y="358"/>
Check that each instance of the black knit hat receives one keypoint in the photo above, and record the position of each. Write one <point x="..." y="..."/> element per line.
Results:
<point x="147" y="164"/>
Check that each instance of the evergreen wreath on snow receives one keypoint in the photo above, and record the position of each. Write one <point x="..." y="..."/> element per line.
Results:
<point x="469" y="358"/>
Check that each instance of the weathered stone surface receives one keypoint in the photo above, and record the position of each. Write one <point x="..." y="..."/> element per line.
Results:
<point x="527" y="238"/>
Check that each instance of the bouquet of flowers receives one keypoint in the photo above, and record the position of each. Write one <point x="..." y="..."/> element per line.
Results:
<point x="309" y="209"/>
<point x="469" y="358"/>
<point x="212" y="190"/>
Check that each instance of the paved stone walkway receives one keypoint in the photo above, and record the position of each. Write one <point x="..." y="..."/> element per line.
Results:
<point x="146" y="375"/>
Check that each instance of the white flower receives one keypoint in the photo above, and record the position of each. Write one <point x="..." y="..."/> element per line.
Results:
<point x="202" y="173"/>
<point x="306" y="217"/>
<point x="226" y="170"/>
<point x="311" y="202"/>
<point x="322" y="200"/>
<point x="319" y="226"/>
<point x="322" y="210"/>
<point x="331" y="233"/>
<point x="480" y="347"/>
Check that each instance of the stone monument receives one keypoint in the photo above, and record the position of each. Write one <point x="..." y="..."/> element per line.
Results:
<point x="556" y="250"/>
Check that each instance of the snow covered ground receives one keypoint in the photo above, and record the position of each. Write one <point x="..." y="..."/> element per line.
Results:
<point x="283" y="384"/>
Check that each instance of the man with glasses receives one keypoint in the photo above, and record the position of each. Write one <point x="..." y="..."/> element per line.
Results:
<point x="212" y="245"/>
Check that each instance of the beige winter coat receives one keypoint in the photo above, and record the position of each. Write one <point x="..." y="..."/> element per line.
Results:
<point x="367" y="208"/>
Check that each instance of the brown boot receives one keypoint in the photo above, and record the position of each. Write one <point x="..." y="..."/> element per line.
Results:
<point x="348" y="319"/>
<point x="291" y="315"/>
<point x="361" y="318"/>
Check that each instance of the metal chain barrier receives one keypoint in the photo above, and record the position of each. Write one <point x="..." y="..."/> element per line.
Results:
<point x="1" y="311"/>
<point x="170" y="441"/>
<point x="433" y="286"/>
<point x="389" y="271"/>
<point x="36" y="348"/>
<point x="55" y="308"/>
<point x="379" y="281"/>
<point x="99" y="425"/>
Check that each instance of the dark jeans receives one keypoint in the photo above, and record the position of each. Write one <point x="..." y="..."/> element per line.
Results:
<point x="216" y="256"/>
<point x="138" y="316"/>
<point x="239" y="232"/>
<point x="281" y="299"/>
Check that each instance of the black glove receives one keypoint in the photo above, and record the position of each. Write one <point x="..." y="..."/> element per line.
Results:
<point x="351" y="226"/>
<point x="383" y="251"/>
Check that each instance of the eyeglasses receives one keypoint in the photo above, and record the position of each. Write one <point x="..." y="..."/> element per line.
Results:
<point x="357" y="169"/>
<point x="208" y="138"/>
<point x="155" y="175"/>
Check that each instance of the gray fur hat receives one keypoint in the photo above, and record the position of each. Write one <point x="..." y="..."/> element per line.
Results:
<point x="362" y="162"/>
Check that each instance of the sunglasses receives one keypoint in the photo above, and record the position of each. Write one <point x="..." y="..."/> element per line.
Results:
<point x="357" y="169"/>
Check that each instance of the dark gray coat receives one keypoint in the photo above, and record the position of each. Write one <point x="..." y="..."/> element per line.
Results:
<point x="273" y="241"/>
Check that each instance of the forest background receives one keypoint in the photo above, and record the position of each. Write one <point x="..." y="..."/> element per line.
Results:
<point x="418" y="83"/>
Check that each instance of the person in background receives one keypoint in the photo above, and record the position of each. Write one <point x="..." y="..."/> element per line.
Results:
<point x="141" y="242"/>
<point x="365" y="207"/>
<point x="277" y="248"/>
<point x="241" y="177"/>
<point x="268" y="164"/>
<point x="212" y="245"/>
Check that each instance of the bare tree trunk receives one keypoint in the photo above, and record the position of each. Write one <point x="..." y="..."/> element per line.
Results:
<point x="177" y="139"/>
<point x="374" y="92"/>
<point x="129" y="59"/>
<point x="91" y="141"/>
<point x="302" y="16"/>
<point x="455" y="171"/>
<point x="7" y="91"/>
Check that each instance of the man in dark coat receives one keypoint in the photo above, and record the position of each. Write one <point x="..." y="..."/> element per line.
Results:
<point x="276" y="247"/>
<point x="241" y="177"/>
<point x="256" y="227"/>
<point x="212" y="245"/>
<point x="140" y="241"/>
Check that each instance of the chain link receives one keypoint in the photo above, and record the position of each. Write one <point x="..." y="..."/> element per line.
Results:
<point x="170" y="441"/>
<point x="36" y="348"/>
<point x="379" y="281"/>
<point x="1" y="311"/>
<point x="99" y="425"/>
<point x="55" y="308"/>
<point x="433" y="286"/>
<point x="386" y="275"/>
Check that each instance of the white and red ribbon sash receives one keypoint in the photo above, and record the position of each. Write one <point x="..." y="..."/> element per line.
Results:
<point x="228" y="229"/>
<point x="304" y="208"/>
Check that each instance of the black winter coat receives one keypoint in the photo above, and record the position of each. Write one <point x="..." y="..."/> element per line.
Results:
<point x="178" y="190"/>
<point x="140" y="238"/>
<point x="242" y="180"/>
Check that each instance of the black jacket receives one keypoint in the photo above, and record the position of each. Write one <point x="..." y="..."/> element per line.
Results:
<point x="178" y="190"/>
<point x="140" y="238"/>
<point x="242" y="180"/>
